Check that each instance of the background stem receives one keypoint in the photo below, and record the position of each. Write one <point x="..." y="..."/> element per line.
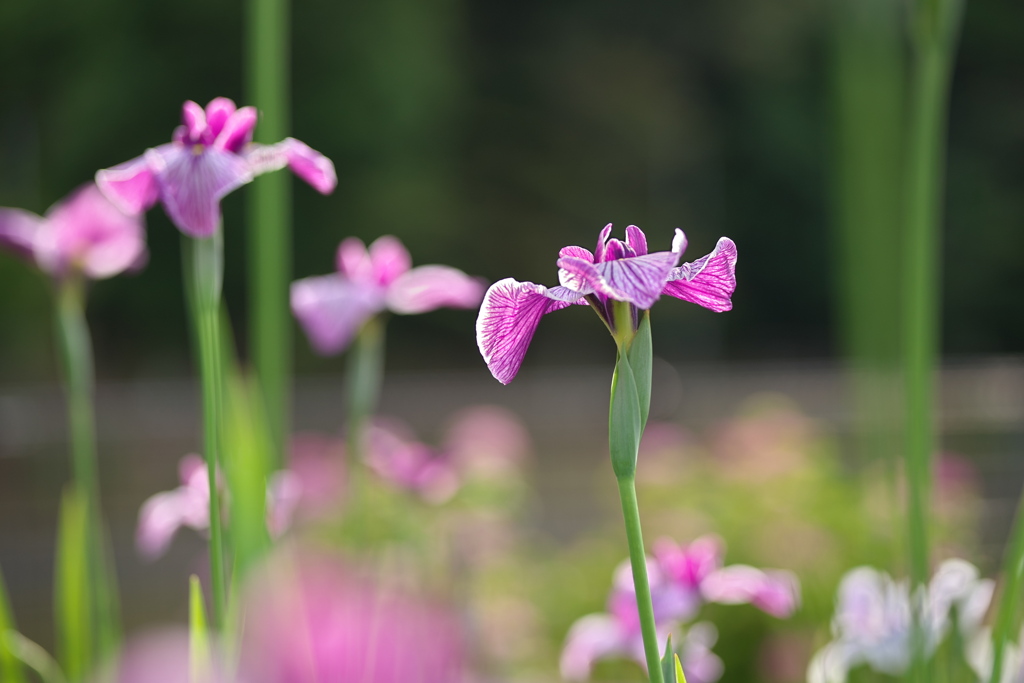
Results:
<point x="79" y="383"/>
<point x="207" y="269"/>
<point x="270" y="209"/>
<point x="935" y="27"/>
<point x="638" y="561"/>
<point x="363" y="377"/>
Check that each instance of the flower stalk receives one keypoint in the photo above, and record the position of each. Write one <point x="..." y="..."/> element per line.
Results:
<point x="935" y="28"/>
<point x="629" y="407"/>
<point x="207" y="266"/>
<point x="363" y="377"/>
<point x="77" y="365"/>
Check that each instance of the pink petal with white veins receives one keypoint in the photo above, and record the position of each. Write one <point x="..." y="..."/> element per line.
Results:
<point x="305" y="162"/>
<point x="509" y="316"/>
<point x="429" y="287"/>
<point x="709" y="281"/>
<point x="638" y="280"/>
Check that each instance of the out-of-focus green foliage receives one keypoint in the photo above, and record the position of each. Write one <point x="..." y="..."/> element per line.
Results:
<point x="488" y="135"/>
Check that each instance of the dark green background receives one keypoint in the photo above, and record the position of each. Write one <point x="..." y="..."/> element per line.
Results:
<point x="486" y="135"/>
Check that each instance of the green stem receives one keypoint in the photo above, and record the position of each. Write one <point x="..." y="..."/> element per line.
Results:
<point x="1013" y="571"/>
<point x="207" y="272"/>
<point x="270" y="208"/>
<point x="363" y="377"/>
<point x="77" y="365"/>
<point x="638" y="561"/>
<point x="935" y="29"/>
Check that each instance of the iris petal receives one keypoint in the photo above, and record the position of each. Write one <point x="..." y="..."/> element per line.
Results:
<point x="331" y="309"/>
<point x="638" y="280"/>
<point x="709" y="281"/>
<point x="192" y="184"/>
<point x="425" y="288"/>
<point x="304" y="161"/>
<point x="132" y="186"/>
<point x="17" y="231"/>
<point x="508" y="318"/>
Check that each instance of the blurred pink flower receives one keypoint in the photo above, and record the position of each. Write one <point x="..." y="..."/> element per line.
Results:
<point x="682" y="579"/>
<point x="486" y="440"/>
<point x="313" y="620"/>
<point x="408" y="464"/>
<point x="161" y="656"/>
<point x="332" y="308"/>
<point x="318" y="463"/>
<point x="211" y="155"/>
<point x="162" y="514"/>
<point x="83" y="233"/>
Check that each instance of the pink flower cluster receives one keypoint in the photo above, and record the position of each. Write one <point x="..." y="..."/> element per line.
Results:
<point x="682" y="579"/>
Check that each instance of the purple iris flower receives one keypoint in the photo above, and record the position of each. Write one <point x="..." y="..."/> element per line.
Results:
<point x="616" y="271"/>
<point x="81" y="234"/>
<point x="212" y="154"/>
<point x="332" y="308"/>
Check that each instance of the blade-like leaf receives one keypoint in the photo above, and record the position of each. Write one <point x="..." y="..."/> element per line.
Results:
<point x="641" y="358"/>
<point x="71" y="592"/>
<point x="10" y="666"/>
<point x="668" y="665"/>
<point x="623" y="420"/>
<point x="198" y="633"/>
<point x="680" y="676"/>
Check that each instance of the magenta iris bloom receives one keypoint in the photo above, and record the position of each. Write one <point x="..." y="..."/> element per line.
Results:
<point x="616" y="271"/>
<point x="212" y="154"/>
<point x="84" y="233"/>
<point x="332" y="308"/>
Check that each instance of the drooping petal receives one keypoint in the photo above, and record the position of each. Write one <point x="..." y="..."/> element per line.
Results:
<point x="131" y="186"/>
<point x="193" y="181"/>
<point x="305" y="162"/>
<point x="86" y="232"/>
<point x="709" y="281"/>
<point x="638" y="280"/>
<point x="17" y="231"/>
<point x="331" y="309"/>
<point x="775" y="592"/>
<point x="576" y="252"/>
<point x="636" y="240"/>
<point x="389" y="259"/>
<point x="236" y="131"/>
<point x="426" y="288"/>
<point x="591" y="638"/>
<point x="509" y="316"/>
<point x="163" y="514"/>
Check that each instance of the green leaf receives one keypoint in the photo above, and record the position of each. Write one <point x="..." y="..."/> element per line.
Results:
<point x="33" y="656"/>
<point x="10" y="666"/>
<point x="641" y="358"/>
<point x="680" y="676"/>
<point x="198" y="632"/>
<point x="72" y="598"/>
<point x="623" y="420"/>
<point x="668" y="669"/>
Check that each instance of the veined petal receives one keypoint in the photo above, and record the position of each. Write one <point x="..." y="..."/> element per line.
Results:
<point x="192" y="183"/>
<point x="331" y="309"/>
<point x="576" y="252"/>
<point x="591" y="638"/>
<point x="389" y="259"/>
<point x="602" y="238"/>
<point x="131" y="186"/>
<point x="305" y="162"/>
<point x="425" y="288"/>
<point x="509" y="316"/>
<point x="638" y="280"/>
<point x="709" y="281"/>
<point x="17" y="231"/>
<point x="636" y="240"/>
